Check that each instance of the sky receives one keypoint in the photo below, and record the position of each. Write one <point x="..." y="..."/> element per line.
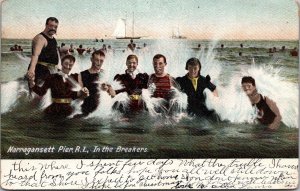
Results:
<point x="195" y="19"/>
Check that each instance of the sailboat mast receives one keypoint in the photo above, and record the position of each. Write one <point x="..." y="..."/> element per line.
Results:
<point x="132" y="24"/>
<point x="121" y="29"/>
<point x="125" y="24"/>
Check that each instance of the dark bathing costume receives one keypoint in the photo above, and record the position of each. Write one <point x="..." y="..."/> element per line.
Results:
<point x="61" y="93"/>
<point x="133" y="87"/>
<point x="90" y="103"/>
<point x="48" y="55"/>
<point x="196" y="98"/>
<point x="267" y="116"/>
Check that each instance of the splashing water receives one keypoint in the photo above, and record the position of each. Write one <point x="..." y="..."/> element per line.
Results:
<point x="9" y="95"/>
<point x="285" y="94"/>
<point x="104" y="110"/>
<point x="24" y="59"/>
<point x="45" y="100"/>
<point x="235" y="106"/>
<point x="232" y="104"/>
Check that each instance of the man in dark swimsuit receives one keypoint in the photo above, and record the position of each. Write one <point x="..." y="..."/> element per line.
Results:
<point x="61" y="85"/>
<point x="45" y="56"/>
<point x="267" y="110"/>
<point x="194" y="84"/>
<point x="90" y="79"/>
<point x="133" y="82"/>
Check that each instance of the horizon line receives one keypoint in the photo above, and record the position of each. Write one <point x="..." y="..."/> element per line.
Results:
<point x="224" y="39"/>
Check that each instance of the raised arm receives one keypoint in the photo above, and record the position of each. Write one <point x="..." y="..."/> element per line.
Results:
<point x="212" y="87"/>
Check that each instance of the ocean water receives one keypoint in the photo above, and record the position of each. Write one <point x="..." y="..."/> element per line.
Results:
<point x="235" y="135"/>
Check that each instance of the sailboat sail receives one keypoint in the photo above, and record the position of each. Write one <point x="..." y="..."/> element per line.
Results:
<point x="176" y="34"/>
<point x="120" y="30"/>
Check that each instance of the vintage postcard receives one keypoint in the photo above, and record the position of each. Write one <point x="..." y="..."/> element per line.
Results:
<point x="196" y="94"/>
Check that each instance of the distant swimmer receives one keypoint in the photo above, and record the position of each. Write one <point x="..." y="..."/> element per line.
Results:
<point x="143" y="47"/>
<point x="16" y="48"/>
<point x="240" y="54"/>
<point x="241" y="45"/>
<point x="45" y="55"/>
<point x="88" y="50"/>
<point x="198" y="47"/>
<point x="71" y="50"/>
<point x="62" y="44"/>
<point x="20" y="48"/>
<point x="222" y="46"/>
<point x="270" y="51"/>
<point x="282" y="49"/>
<point x="63" y="50"/>
<point x="294" y="52"/>
<point x="131" y="45"/>
<point x="110" y="49"/>
<point x="61" y="85"/>
<point x="80" y="50"/>
<point x="266" y="109"/>
<point x="104" y="48"/>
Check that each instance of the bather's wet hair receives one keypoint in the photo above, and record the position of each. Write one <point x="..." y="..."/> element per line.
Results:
<point x="98" y="52"/>
<point x="248" y="79"/>
<point x="51" y="19"/>
<point x="158" y="56"/>
<point x="132" y="56"/>
<point x="68" y="56"/>
<point x="193" y="62"/>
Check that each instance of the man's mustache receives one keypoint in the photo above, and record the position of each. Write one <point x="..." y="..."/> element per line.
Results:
<point x="52" y="30"/>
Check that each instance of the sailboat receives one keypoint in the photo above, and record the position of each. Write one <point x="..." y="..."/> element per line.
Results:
<point x="176" y="34"/>
<point x="120" y="31"/>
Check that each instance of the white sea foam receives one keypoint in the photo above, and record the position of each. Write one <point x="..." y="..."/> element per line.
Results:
<point x="9" y="95"/>
<point x="234" y="105"/>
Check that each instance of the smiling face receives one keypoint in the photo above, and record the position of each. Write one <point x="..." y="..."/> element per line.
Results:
<point x="248" y="88"/>
<point x="67" y="66"/>
<point x="51" y="27"/>
<point x="194" y="71"/>
<point x="97" y="61"/>
<point x="159" y="66"/>
<point x="131" y="65"/>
